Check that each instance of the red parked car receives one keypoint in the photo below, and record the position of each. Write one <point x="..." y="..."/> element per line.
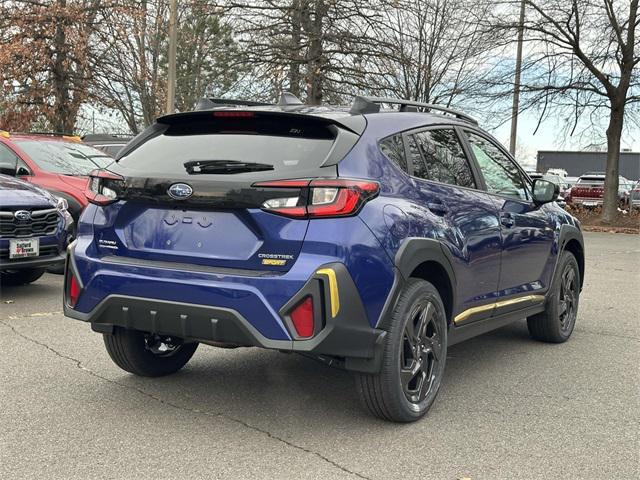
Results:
<point x="59" y="164"/>
<point x="589" y="190"/>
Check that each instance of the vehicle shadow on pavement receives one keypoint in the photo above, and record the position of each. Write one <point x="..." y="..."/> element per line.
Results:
<point x="272" y="389"/>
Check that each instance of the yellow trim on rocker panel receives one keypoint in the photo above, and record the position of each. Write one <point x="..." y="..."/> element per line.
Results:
<point x="333" y="289"/>
<point x="461" y="317"/>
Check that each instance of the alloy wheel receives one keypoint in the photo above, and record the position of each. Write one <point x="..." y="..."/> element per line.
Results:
<point x="568" y="299"/>
<point x="421" y="355"/>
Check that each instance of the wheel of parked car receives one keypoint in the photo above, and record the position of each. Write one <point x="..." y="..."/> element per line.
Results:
<point x="20" y="277"/>
<point x="414" y="357"/>
<point x="556" y="323"/>
<point x="146" y="354"/>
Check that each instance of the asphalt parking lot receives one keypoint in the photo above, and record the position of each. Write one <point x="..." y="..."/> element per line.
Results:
<point x="509" y="407"/>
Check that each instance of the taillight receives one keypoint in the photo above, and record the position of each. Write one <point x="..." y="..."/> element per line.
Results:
<point x="302" y="318"/>
<point x="73" y="290"/>
<point x="103" y="187"/>
<point x="319" y="198"/>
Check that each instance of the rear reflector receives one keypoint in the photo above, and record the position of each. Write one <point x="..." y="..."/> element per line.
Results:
<point x="302" y="318"/>
<point x="74" y="290"/>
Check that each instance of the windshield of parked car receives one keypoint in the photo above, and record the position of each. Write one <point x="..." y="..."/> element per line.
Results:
<point x="67" y="158"/>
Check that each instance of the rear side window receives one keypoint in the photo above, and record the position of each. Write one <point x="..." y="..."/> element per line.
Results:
<point x="393" y="148"/>
<point x="442" y="158"/>
<point x="292" y="146"/>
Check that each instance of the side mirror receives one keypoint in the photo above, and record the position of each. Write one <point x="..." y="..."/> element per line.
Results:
<point x="22" y="172"/>
<point x="545" y="191"/>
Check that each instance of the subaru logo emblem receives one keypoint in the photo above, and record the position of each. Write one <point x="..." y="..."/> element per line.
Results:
<point x="180" y="191"/>
<point x="22" y="215"/>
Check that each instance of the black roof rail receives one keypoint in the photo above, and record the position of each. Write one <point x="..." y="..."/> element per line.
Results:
<point x="363" y="105"/>
<point x="209" y="103"/>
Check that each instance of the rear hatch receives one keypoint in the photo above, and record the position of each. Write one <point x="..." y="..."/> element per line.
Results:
<point x="188" y="192"/>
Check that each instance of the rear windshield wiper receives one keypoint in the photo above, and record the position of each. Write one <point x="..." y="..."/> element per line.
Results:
<point x="196" y="167"/>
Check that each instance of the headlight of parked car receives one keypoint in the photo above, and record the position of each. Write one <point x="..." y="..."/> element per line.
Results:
<point x="61" y="204"/>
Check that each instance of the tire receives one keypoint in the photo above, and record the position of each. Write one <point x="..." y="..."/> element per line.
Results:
<point x="405" y="397"/>
<point x="556" y="323"/>
<point x="138" y="353"/>
<point x="20" y="277"/>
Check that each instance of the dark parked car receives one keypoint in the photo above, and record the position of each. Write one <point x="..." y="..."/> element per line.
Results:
<point x="108" y="143"/>
<point x="372" y="239"/>
<point x="33" y="231"/>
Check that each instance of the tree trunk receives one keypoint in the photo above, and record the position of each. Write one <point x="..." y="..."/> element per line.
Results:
<point x="614" y="133"/>
<point x="294" y="64"/>
<point x="315" y="57"/>
<point x="60" y="118"/>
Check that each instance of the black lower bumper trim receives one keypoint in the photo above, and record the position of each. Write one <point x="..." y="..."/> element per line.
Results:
<point x="34" y="262"/>
<point x="348" y="337"/>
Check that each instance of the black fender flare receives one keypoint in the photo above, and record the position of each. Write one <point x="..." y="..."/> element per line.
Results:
<point x="567" y="233"/>
<point x="413" y="252"/>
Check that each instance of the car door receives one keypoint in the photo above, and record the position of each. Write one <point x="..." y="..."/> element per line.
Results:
<point x="468" y="219"/>
<point x="527" y="229"/>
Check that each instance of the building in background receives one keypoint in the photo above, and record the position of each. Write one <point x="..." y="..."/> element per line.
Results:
<point x="578" y="163"/>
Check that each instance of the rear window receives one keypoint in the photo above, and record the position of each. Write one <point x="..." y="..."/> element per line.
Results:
<point x="288" y="145"/>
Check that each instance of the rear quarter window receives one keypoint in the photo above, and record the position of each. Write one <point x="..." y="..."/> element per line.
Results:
<point x="393" y="148"/>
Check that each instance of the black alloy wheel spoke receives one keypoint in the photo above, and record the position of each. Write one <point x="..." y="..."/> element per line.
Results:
<point x="567" y="299"/>
<point x="421" y="352"/>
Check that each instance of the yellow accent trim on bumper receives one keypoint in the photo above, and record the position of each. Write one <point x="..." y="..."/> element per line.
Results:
<point x="333" y="289"/>
<point x="461" y="317"/>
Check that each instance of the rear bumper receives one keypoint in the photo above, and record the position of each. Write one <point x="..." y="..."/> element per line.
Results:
<point x="346" y="338"/>
<point x="586" y="201"/>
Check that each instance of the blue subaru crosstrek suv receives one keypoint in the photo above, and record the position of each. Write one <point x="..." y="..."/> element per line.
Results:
<point x="372" y="238"/>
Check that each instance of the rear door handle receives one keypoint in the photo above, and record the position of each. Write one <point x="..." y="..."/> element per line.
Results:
<point x="437" y="208"/>
<point x="507" y="220"/>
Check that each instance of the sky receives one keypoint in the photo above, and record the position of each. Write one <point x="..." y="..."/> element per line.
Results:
<point x="549" y="137"/>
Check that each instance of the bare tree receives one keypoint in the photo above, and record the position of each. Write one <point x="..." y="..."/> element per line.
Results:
<point x="132" y="73"/>
<point x="45" y="58"/>
<point x="433" y="51"/>
<point x="310" y="47"/>
<point x="583" y="57"/>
